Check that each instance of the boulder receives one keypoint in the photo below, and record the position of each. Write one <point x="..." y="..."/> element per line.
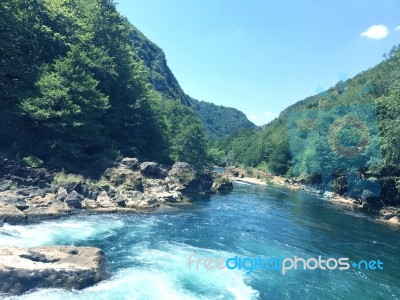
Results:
<point x="74" y="199"/>
<point x="130" y="163"/>
<point x="11" y="215"/>
<point x="39" y="192"/>
<point x="205" y="182"/>
<point x="133" y="198"/>
<point x="19" y="171"/>
<point x="183" y="178"/>
<point x="148" y="203"/>
<point x="40" y="173"/>
<point x="9" y="198"/>
<point x="119" y="201"/>
<point x="5" y="185"/>
<point x="18" y="180"/>
<point x="89" y="204"/>
<point x="43" y="184"/>
<point x="45" y="201"/>
<point x="23" y="192"/>
<point x="81" y="189"/>
<point x="67" y="267"/>
<point x="183" y="172"/>
<point x="103" y="200"/>
<point x="117" y="176"/>
<point x="73" y="186"/>
<point x="150" y="169"/>
<point x="134" y="182"/>
<point x="222" y="184"/>
<point x="170" y="197"/>
<point x="61" y="194"/>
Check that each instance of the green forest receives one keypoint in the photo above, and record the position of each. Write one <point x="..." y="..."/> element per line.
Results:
<point x="346" y="138"/>
<point x="80" y="88"/>
<point x="219" y="121"/>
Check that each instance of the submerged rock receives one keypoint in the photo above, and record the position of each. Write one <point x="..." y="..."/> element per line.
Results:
<point x="68" y="267"/>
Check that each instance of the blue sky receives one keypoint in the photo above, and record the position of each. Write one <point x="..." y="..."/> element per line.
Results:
<point x="261" y="56"/>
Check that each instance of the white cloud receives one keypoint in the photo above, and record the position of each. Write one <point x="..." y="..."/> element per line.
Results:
<point x="398" y="28"/>
<point x="253" y="117"/>
<point x="268" y="113"/>
<point x="376" y="32"/>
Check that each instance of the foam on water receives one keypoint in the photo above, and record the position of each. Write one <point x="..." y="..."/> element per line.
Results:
<point x="145" y="284"/>
<point x="148" y="253"/>
<point x="157" y="270"/>
<point x="238" y="182"/>
<point x="63" y="231"/>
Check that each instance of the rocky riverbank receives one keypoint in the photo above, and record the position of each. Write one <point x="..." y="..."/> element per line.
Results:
<point x="28" y="194"/>
<point x="387" y="214"/>
<point x="32" y="194"/>
<point x="23" y="269"/>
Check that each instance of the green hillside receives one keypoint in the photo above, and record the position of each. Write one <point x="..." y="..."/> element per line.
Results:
<point x="75" y="93"/>
<point x="345" y="139"/>
<point x="218" y="120"/>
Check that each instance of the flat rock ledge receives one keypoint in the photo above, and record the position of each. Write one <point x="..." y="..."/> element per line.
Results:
<point x="68" y="267"/>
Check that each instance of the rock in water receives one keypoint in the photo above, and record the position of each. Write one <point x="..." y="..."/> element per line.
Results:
<point x="222" y="184"/>
<point x="23" y="269"/>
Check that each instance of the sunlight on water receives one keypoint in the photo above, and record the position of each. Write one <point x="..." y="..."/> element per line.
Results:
<point x="160" y="272"/>
<point x="148" y="254"/>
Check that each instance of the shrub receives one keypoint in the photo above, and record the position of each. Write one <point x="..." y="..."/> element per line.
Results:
<point x="33" y="161"/>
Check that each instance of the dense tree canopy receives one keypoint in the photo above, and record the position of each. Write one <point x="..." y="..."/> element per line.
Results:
<point x="75" y="92"/>
<point x="219" y="120"/>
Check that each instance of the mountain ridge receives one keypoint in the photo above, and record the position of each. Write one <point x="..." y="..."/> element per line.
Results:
<point x="345" y="138"/>
<point x="218" y="120"/>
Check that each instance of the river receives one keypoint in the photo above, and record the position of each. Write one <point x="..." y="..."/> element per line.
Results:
<point x="156" y="256"/>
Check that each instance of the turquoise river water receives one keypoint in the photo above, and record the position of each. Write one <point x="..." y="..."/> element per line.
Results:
<point x="156" y="256"/>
